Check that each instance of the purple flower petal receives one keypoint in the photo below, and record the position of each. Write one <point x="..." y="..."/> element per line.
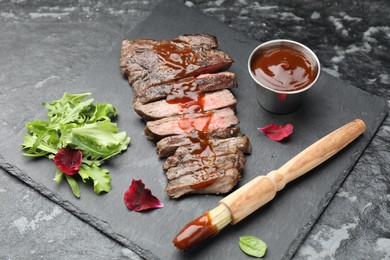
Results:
<point x="138" y="198"/>
<point x="276" y="132"/>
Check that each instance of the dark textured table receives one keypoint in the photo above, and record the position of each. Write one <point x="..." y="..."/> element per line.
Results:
<point x="46" y="45"/>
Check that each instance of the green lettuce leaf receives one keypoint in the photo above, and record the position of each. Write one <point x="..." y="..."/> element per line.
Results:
<point x="69" y="109"/>
<point x="59" y="176"/>
<point x="102" y="112"/>
<point x="73" y="185"/>
<point x="43" y="147"/>
<point x="99" y="140"/>
<point x="101" y="179"/>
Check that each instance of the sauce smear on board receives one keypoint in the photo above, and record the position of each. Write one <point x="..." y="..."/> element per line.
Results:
<point x="283" y="69"/>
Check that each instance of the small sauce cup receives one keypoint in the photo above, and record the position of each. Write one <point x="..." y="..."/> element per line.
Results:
<point x="284" y="71"/>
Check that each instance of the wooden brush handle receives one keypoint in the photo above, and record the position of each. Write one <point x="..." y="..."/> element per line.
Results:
<point x="262" y="189"/>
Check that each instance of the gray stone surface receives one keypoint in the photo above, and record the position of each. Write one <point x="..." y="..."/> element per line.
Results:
<point x="32" y="227"/>
<point x="47" y="45"/>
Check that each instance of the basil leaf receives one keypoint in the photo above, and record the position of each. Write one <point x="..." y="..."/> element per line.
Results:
<point x="252" y="246"/>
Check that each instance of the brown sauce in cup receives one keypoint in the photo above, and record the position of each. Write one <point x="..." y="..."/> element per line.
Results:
<point x="283" y="69"/>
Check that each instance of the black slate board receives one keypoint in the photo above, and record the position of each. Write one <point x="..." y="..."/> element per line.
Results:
<point x="283" y="223"/>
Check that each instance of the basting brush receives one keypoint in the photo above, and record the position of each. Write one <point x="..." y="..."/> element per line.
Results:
<point x="253" y="195"/>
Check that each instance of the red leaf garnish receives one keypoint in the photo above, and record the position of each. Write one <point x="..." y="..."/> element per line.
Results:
<point x="276" y="132"/>
<point x="68" y="160"/>
<point x="138" y="198"/>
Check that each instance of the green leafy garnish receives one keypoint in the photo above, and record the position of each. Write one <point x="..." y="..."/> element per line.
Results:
<point x="252" y="246"/>
<point x="73" y="185"/>
<point x="75" y="124"/>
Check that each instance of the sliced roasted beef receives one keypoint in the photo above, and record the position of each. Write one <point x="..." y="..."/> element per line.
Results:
<point x="168" y="145"/>
<point x="148" y="62"/>
<point x="217" y="182"/>
<point x="181" y="124"/>
<point x="191" y="109"/>
<point x="220" y="155"/>
<point x="202" y="83"/>
<point x="208" y="101"/>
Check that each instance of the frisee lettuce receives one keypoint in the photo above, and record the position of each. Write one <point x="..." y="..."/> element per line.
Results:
<point x="78" y="124"/>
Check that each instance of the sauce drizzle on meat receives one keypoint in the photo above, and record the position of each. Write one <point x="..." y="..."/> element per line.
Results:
<point x="175" y="57"/>
<point x="188" y="96"/>
<point x="190" y="99"/>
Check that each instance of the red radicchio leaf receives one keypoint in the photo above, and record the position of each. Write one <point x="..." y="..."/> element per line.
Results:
<point x="68" y="160"/>
<point x="276" y="132"/>
<point x="138" y="198"/>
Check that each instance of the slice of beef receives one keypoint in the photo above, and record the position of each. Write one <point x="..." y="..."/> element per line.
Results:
<point x="233" y="155"/>
<point x="202" y="83"/>
<point x="210" y="101"/>
<point x="241" y="142"/>
<point x="199" y="42"/>
<point x="181" y="124"/>
<point x="168" y="145"/>
<point x="217" y="182"/>
<point x="207" y="165"/>
<point x="187" y="153"/>
<point x="204" y="41"/>
<point x="148" y="62"/>
<point x="165" y="148"/>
